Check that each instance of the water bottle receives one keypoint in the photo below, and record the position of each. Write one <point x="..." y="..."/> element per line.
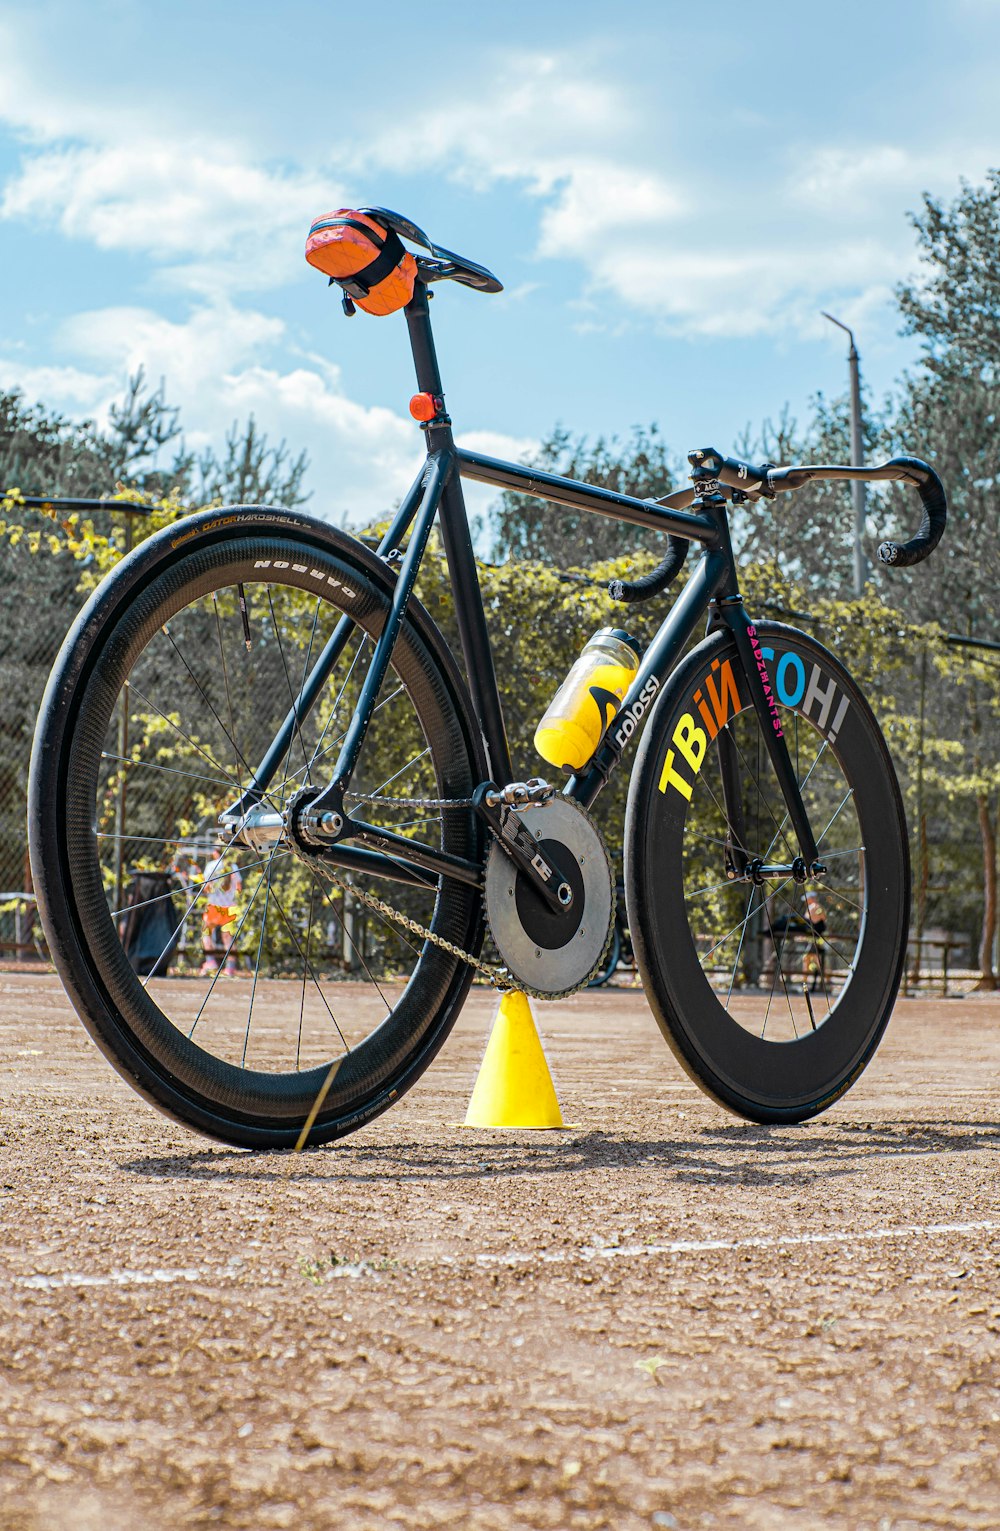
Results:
<point x="587" y="700"/>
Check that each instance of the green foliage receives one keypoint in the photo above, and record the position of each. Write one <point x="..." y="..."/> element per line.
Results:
<point x="938" y="704"/>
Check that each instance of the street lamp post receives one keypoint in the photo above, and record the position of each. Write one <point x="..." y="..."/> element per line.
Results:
<point x="857" y="458"/>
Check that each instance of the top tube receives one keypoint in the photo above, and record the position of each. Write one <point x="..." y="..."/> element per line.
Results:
<point x="657" y="515"/>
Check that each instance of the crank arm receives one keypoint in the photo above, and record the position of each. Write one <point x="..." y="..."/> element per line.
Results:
<point x="505" y="824"/>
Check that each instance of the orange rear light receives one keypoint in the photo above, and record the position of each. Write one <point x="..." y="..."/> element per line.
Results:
<point x="424" y="406"/>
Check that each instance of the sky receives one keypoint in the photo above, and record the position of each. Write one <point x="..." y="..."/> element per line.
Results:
<point x="669" y="192"/>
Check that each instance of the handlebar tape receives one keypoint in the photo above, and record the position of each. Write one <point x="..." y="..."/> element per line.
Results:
<point x="933" y="522"/>
<point x="657" y="580"/>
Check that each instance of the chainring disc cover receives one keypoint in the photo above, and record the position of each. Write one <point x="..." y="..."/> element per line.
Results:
<point x="546" y="953"/>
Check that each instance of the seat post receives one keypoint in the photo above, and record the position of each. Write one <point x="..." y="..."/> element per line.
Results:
<point x="418" y="322"/>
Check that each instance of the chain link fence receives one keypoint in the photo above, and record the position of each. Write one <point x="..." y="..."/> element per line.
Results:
<point x="41" y="591"/>
<point x="40" y="594"/>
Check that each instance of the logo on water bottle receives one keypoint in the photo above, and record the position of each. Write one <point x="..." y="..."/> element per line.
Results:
<point x="605" y="699"/>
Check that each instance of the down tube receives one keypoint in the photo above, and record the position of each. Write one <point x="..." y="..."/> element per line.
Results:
<point x="659" y="659"/>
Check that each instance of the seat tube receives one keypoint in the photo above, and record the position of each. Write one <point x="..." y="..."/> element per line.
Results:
<point x="457" y="541"/>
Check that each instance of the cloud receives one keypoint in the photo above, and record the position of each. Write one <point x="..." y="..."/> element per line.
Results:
<point x="597" y="201"/>
<point x="363" y="459"/>
<point x="211" y="214"/>
<point x="562" y="130"/>
<point x="74" y="390"/>
<point x="196" y="354"/>
<point x="531" y="118"/>
<point x="172" y="199"/>
<point x="850" y="183"/>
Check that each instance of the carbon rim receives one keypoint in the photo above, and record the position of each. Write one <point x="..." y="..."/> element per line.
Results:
<point x="173" y="715"/>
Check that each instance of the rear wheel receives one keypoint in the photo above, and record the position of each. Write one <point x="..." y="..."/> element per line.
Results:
<point x="773" y="993"/>
<point x="236" y="986"/>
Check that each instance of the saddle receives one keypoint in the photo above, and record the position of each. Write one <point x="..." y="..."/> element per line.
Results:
<point x="361" y="250"/>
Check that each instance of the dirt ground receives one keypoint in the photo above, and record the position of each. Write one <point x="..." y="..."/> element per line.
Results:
<point x="660" y="1318"/>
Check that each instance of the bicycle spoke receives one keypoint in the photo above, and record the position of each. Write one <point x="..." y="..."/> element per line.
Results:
<point x="209" y="704"/>
<point x="181" y="734"/>
<point x="256" y="966"/>
<point x="232" y="942"/>
<point x="117" y="914"/>
<point x="288" y="682"/>
<point x="739" y="949"/>
<point x="302" y="995"/>
<point x="845" y="960"/>
<point x="225" y="678"/>
<point x="172" y="940"/>
<point x="150" y="765"/>
<point x="387" y="924"/>
<point x="777" y="972"/>
<point x="740" y="926"/>
<point x="335" y="710"/>
<point x="312" y="973"/>
<point x="836" y="816"/>
<point x="802" y="785"/>
<point x="407" y="767"/>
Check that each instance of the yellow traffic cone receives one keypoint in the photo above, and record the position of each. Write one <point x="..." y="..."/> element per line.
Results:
<point x="514" y="1087"/>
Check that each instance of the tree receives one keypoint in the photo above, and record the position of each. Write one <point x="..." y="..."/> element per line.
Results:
<point x="955" y="305"/>
<point x="953" y="406"/>
<point x="809" y="535"/>
<point x="252" y="472"/>
<point x="44" y="453"/>
<point x="41" y="452"/>
<point x="46" y="563"/>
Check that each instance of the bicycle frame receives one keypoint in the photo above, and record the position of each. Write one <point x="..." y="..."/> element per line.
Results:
<point x="436" y="494"/>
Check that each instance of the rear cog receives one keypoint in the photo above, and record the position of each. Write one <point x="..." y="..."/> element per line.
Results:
<point x="546" y="953"/>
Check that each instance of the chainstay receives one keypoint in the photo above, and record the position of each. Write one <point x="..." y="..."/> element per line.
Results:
<point x="498" y="977"/>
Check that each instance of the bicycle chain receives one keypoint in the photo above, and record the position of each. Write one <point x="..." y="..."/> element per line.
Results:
<point x="499" y="978"/>
<point x="411" y="802"/>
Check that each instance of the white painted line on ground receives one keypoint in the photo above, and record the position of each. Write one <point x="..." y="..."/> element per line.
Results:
<point x="57" y="1279"/>
<point x="588" y="1253"/>
<point x="702" y="1246"/>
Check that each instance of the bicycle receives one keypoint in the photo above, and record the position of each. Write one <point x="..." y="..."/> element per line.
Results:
<point x="251" y="649"/>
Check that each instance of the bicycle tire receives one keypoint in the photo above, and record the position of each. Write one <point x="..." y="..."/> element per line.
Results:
<point x="161" y="589"/>
<point x="685" y="910"/>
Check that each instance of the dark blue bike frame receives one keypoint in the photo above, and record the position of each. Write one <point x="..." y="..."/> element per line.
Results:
<point x="436" y="494"/>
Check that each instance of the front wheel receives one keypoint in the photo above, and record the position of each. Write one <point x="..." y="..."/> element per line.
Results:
<point x="773" y="993"/>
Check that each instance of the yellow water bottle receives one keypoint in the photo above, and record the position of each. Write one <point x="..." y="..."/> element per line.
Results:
<point x="576" y="718"/>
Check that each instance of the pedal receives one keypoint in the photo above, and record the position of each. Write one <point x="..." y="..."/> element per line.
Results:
<point x="518" y="794"/>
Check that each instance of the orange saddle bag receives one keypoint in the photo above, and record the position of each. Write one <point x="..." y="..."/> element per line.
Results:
<point x="368" y="260"/>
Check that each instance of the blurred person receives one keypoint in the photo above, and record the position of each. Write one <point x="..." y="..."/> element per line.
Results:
<point x="222" y="890"/>
<point x="789" y="923"/>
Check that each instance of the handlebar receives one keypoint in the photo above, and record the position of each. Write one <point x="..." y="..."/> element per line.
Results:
<point x="767" y="481"/>
<point x="712" y="471"/>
